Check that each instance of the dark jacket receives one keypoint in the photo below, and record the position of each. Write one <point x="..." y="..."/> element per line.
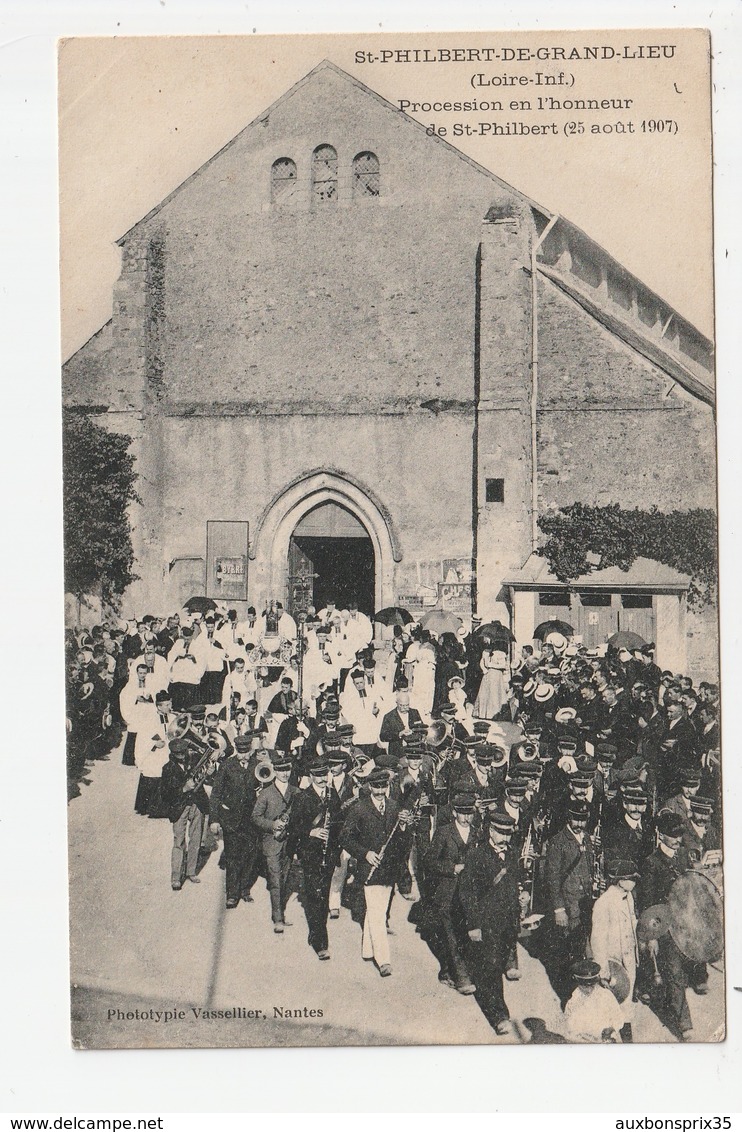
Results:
<point x="621" y="842"/>
<point x="233" y="797"/>
<point x="308" y="812"/>
<point x="568" y="873"/>
<point x="657" y="878"/>
<point x="447" y="850"/>
<point x="390" y="731"/>
<point x="488" y="891"/>
<point x="174" y="777"/>
<point x="367" y="830"/>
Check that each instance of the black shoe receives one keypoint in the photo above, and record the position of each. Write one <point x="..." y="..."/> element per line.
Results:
<point x="177" y="887"/>
<point x="334" y="914"/>
<point x="323" y="954"/>
<point x="232" y="903"/>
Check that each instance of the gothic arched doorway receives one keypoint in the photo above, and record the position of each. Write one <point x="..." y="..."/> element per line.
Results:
<point x="331" y="558"/>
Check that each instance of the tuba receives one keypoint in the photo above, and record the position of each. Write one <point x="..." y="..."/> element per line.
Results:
<point x="264" y="771"/>
<point x="205" y="766"/>
<point x="439" y="734"/>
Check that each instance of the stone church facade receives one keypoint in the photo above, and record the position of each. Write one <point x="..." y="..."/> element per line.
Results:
<point x="345" y="350"/>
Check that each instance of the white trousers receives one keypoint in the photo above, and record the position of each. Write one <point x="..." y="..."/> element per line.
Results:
<point x="375" y="938"/>
<point x="338" y="881"/>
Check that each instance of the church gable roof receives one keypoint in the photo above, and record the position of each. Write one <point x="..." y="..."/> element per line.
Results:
<point x="327" y="69"/>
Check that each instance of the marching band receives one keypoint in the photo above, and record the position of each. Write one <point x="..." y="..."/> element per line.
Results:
<point x="581" y="823"/>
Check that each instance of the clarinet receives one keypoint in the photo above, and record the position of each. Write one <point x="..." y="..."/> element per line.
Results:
<point x="599" y="877"/>
<point x="414" y="812"/>
<point x="326" y="824"/>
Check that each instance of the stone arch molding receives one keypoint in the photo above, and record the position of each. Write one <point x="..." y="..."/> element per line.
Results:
<point x="270" y="546"/>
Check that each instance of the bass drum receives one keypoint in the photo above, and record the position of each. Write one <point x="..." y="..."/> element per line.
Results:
<point x="696" y="917"/>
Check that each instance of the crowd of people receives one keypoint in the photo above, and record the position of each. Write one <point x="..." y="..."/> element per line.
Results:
<point x="551" y="798"/>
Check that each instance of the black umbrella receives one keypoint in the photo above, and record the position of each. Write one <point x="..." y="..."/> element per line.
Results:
<point x="393" y="615"/>
<point x="199" y="604"/>
<point x="626" y="640"/>
<point x="496" y="630"/>
<point x="554" y="626"/>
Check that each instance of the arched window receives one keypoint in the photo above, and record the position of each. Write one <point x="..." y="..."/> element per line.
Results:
<point x="325" y="173"/>
<point x="283" y="176"/>
<point x="366" y="176"/>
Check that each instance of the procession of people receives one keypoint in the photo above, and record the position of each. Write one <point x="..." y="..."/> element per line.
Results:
<point x="556" y="798"/>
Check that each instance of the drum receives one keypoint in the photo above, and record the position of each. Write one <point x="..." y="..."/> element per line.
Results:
<point x="696" y="917"/>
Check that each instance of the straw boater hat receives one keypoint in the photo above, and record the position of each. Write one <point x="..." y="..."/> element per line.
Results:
<point x="557" y="641"/>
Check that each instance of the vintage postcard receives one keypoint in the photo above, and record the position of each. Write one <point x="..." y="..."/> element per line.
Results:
<point x="390" y="539"/>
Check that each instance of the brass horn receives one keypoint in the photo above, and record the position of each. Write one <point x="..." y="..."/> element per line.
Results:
<point x="264" y="773"/>
<point x="438" y="734"/>
<point x="177" y="728"/>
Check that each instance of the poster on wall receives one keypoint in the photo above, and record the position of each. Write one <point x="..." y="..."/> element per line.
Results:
<point x="226" y="560"/>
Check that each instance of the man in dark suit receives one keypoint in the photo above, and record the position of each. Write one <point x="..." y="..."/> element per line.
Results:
<point x="488" y="889"/>
<point x="400" y="719"/>
<point x="314" y="826"/>
<point x="568" y="879"/>
<point x="270" y="816"/>
<point x="444" y="862"/>
<point x="666" y="865"/>
<point x="231" y="806"/>
<point x="678" y="749"/>
<point x="185" y="804"/>
<point x="628" y="835"/>
<point x="376" y="833"/>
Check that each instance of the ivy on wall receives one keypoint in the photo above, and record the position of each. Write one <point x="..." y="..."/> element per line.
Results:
<point x="99" y="480"/>
<point x="612" y="536"/>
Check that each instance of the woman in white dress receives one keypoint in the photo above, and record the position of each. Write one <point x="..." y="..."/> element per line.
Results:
<point x="422" y="654"/>
<point x="493" y="688"/>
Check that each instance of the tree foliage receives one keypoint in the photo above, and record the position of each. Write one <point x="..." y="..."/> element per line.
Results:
<point x="685" y="540"/>
<point x="99" y="480"/>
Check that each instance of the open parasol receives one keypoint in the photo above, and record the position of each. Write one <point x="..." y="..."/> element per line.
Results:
<point x="554" y="626"/>
<point x="199" y="604"/>
<point x="393" y="615"/>
<point x="626" y="640"/>
<point x="496" y="630"/>
<point x="438" y="621"/>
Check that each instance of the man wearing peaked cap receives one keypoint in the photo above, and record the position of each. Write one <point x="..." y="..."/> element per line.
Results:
<point x="512" y="801"/>
<point x="270" y="817"/>
<point x="185" y="804"/>
<point x="312" y="837"/>
<point x="347" y="770"/>
<point x="628" y="831"/>
<point x="377" y="833"/>
<point x="689" y="781"/>
<point x="230" y="807"/>
<point x="489" y="893"/>
<point x="568" y="876"/>
<point x="658" y="875"/>
<point x="444" y="862"/>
